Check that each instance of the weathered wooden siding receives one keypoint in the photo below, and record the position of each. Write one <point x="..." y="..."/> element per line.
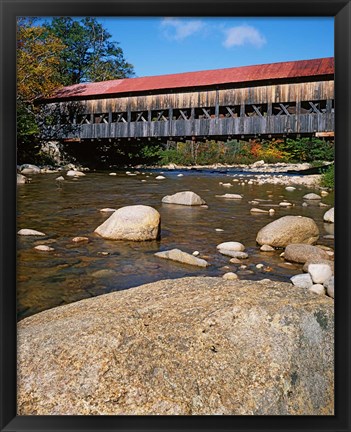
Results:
<point x="320" y="90"/>
<point x="270" y="109"/>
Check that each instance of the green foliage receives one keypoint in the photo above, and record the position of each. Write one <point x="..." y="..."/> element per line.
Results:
<point x="308" y="150"/>
<point x="328" y="178"/>
<point x="89" y="55"/>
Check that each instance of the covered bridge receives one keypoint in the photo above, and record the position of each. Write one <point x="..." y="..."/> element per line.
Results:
<point x="278" y="99"/>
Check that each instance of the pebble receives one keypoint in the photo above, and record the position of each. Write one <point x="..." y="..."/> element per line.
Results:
<point x="267" y="248"/>
<point x="324" y="193"/>
<point x="285" y="204"/>
<point x="271" y="211"/>
<point x="160" y="177"/>
<point x="60" y="178"/>
<point x="259" y="266"/>
<point x="232" y="246"/>
<point x="302" y="280"/>
<point x="196" y="253"/>
<point x="143" y="181"/>
<point x="180" y="175"/>
<point x="320" y="272"/>
<point x="317" y="289"/>
<point x="233" y="254"/>
<point x="219" y="229"/>
<point x="80" y="239"/>
<point x="28" y="232"/>
<point x="230" y="276"/>
<point x="290" y="188"/>
<point x="227" y="184"/>
<point x="312" y="196"/>
<point x="329" y="285"/>
<point x="44" y="248"/>
<point x="235" y="261"/>
<point x="108" y="210"/>
<point x="257" y="210"/>
<point x="113" y="174"/>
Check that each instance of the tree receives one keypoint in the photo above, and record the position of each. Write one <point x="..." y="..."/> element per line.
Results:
<point x="38" y="54"/>
<point x="89" y="54"/>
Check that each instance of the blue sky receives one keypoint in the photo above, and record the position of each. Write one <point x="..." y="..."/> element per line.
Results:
<point x="157" y="46"/>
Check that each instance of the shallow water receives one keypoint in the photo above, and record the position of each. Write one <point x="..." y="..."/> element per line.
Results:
<point x="76" y="271"/>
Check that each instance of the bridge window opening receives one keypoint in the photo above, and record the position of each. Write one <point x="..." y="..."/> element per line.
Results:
<point x="182" y="114"/>
<point x="119" y="117"/>
<point x="256" y="110"/>
<point x="283" y="108"/>
<point x="159" y="115"/>
<point x="100" y="118"/>
<point x="229" y="111"/>
<point x="139" y="116"/>
<point x="205" y="113"/>
<point x="83" y="119"/>
<point x="314" y="107"/>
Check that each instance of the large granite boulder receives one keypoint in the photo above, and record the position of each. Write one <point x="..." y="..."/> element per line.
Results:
<point x="136" y="222"/>
<point x="192" y="346"/>
<point x="187" y="198"/>
<point x="300" y="253"/>
<point x="287" y="230"/>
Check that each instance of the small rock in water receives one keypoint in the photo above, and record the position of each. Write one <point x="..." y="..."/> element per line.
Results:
<point x="196" y="253"/>
<point x="329" y="215"/>
<point x="104" y="273"/>
<point x="230" y="276"/>
<point x="182" y="257"/>
<point x="233" y="254"/>
<point x="235" y="261"/>
<point x="271" y="211"/>
<point x="219" y="229"/>
<point x="227" y="184"/>
<point x="21" y="179"/>
<point x="290" y="188"/>
<point x="30" y="232"/>
<point x="320" y="273"/>
<point x="323" y="205"/>
<point x="317" y="289"/>
<point x="72" y="173"/>
<point x="267" y="248"/>
<point x="160" y="177"/>
<point x="259" y="266"/>
<point x="44" y="248"/>
<point x="108" y="210"/>
<point x="285" y="204"/>
<point x="180" y="175"/>
<point x="187" y="198"/>
<point x="233" y="246"/>
<point x="304" y="204"/>
<point x="80" y="239"/>
<point x="324" y="193"/>
<point x="113" y="174"/>
<point x="230" y="196"/>
<point x="59" y="178"/>
<point x="312" y="196"/>
<point x="257" y="210"/>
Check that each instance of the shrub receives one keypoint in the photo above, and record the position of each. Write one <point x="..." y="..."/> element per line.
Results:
<point x="328" y="178"/>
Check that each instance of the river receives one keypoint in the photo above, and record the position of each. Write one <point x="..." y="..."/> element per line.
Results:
<point x="64" y="210"/>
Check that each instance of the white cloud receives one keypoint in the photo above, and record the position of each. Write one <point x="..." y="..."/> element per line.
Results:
<point x="179" y="29"/>
<point x="243" y="35"/>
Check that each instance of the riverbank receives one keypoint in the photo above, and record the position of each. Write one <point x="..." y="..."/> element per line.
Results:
<point x="260" y="172"/>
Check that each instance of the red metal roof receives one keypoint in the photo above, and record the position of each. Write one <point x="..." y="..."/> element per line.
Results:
<point x="272" y="71"/>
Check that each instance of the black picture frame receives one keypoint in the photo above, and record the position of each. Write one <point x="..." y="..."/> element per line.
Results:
<point x="9" y="9"/>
